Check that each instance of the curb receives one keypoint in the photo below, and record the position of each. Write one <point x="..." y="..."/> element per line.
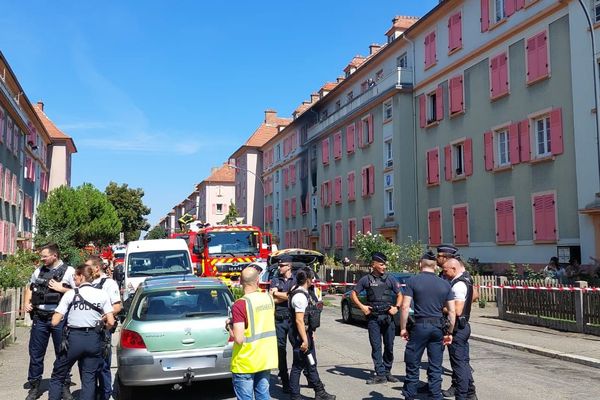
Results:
<point x="587" y="361"/>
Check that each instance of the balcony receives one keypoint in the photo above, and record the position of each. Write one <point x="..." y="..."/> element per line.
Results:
<point x="399" y="79"/>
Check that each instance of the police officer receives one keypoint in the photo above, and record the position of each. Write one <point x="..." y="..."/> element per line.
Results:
<point x="429" y="294"/>
<point x="462" y="294"/>
<point x="385" y="298"/>
<point x="85" y="308"/>
<point x="111" y="288"/>
<point x="47" y="286"/>
<point x="305" y="320"/>
<point x="279" y="288"/>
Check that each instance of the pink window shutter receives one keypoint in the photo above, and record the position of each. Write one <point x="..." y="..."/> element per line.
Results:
<point x="371" y="171"/>
<point x="427" y="61"/>
<point x="350" y="135"/>
<point x="293" y="207"/>
<point x="337" y="145"/>
<point x="456" y="94"/>
<point x="500" y="222"/>
<point x="519" y="5"/>
<point x="556" y="132"/>
<point x="542" y="56"/>
<point x="448" y="162"/>
<point x="550" y="217"/>
<point x="439" y="103"/>
<point x="359" y="134"/>
<point x="434" y="166"/>
<point x="2" y="239"/>
<point x="513" y="143"/>
<point x="329" y="193"/>
<point x="488" y="144"/>
<point x="468" y="151"/>
<point x="422" y="111"/>
<point x="432" y="49"/>
<point x="338" y="189"/>
<point x="509" y="221"/>
<point x="351" y="190"/>
<point x="365" y="189"/>
<point x="366" y="224"/>
<point x="494" y="78"/>
<point x="503" y="74"/>
<point x="2" y="181"/>
<point x="532" y="59"/>
<point x="371" y="128"/>
<point x="435" y="232"/>
<point x="524" y="141"/>
<point x="286" y="208"/>
<point x="539" y="229"/>
<point x="461" y="233"/>
<point x="485" y="15"/>
<point x="509" y="7"/>
<point x="325" y="151"/>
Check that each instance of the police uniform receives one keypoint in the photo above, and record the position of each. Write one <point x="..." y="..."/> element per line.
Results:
<point x="429" y="294"/>
<point x="83" y="309"/>
<point x="111" y="288"/>
<point x="462" y="289"/>
<point x="282" y="328"/>
<point x="382" y="292"/>
<point x="44" y="301"/>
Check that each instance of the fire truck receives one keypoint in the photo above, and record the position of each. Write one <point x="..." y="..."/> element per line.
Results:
<point x="224" y="250"/>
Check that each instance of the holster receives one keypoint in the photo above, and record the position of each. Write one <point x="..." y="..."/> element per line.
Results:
<point x="461" y="322"/>
<point x="282" y="313"/>
<point x="410" y="323"/>
<point x="42" y="315"/>
<point x="63" y="348"/>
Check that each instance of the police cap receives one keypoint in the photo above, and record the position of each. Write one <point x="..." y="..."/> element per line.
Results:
<point x="285" y="259"/>
<point x="447" y="249"/>
<point x="379" y="257"/>
<point x="428" y="255"/>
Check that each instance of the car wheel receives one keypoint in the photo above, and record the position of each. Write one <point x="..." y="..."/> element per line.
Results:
<point x="122" y="392"/>
<point x="346" y="312"/>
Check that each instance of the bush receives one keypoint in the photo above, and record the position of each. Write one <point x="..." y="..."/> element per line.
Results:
<point x="237" y="292"/>
<point x="16" y="269"/>
<point x="403" y="256"/>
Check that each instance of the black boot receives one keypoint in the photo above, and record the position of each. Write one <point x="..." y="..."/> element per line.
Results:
<point x="451" y="392"/>
<point x="323" y="395"/>
<point x="66" y="392"/>
<point x="34" y="390"/>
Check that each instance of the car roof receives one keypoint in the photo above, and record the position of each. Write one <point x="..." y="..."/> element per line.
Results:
<point x="156" y="245"/>
<point x="174" y="281"/>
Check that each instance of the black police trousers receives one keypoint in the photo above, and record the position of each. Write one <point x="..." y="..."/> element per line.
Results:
<point x="462" y="377"/>
<point x="424" y="335"/>
<point x="301" y="363"/>
<point x="382" y="327"/>
<point x="282" y="330"/>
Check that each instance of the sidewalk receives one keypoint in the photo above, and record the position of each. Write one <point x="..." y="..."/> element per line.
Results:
<point x="486" y="327"/>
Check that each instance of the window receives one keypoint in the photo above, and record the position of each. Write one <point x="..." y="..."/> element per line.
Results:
<point x="364" y="86"/>
<point x="544" y="217"/>
<point x="499" y="75"/>
<point x="326" y="235"/>
<point x="368" y="181"/>
<point x="351" y="231"/>
<point x="455" y="88"/>
<point x="460" y="219"/>
<point x="498" y="10"/>
<point x="350" y="139"/>
<point x="324" y="114"/>
<point x="389" y="201"/>
<point x="459" y="159"/>
<point x="338" y="105"/>
<point x="542" y="136"/>
<point x="505" y="221"/>
<point x="388" y="159"/>
<point x="339" y="234"/>
<point x="458" y="154"/>
<point x="454" y="32"/>
<point x="596" y="12"/>
<point x="350" y="96"/>
<point x="430" y="55"/>
<point x="402" y="61"/>
<point x="431" y="107"/>
<point x="365" y="133"/>
<point x="351" y="190"/>
<point x="537" y="57"/>
<point x="278" y="152"/>
<point x="367" y="224"/>
<point x="502" y="148"/>
<point x="219" y="208"/>
<point x="387" y="111"/>
<point x="434" y="222"/>
<point x="379" y="75"/>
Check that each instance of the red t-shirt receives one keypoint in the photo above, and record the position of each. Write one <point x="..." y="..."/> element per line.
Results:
<point x="238" y="312"/>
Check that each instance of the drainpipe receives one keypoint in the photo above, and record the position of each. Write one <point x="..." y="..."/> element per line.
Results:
<point x="414" y="118"/>
<point x="596" y="91"/>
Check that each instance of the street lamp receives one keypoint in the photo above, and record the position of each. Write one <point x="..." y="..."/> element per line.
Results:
<point x="230" y="165"/>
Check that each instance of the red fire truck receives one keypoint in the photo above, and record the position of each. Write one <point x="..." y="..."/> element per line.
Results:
<point x="224" y="250"/>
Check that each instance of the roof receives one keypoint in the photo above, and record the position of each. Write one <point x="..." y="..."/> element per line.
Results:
<point x="55" y="133"/>
<point x="265" y="132"/>
<point x="185" y="280"/>
<point x="401" y="22"/>
<point x="223" y="174"/>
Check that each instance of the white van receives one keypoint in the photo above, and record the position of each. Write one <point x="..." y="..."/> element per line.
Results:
<point x="150" y="258"/>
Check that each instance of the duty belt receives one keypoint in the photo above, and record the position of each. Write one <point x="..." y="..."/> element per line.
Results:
<point x="428" y="320"/>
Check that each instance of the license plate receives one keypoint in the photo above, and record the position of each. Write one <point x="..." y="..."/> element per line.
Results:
<point x="174" y="364"/>
<point x="235" y="268"/>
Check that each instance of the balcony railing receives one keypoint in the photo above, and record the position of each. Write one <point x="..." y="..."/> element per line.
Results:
<point x="398" y="79"/>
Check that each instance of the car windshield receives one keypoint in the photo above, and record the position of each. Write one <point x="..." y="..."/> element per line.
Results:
<point x="233" y="243"/>
<point x="120" y="254"/>
<point x="152" y="263"/>
<point x="174" y="303"/>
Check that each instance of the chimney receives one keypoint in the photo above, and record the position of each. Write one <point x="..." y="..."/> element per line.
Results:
<point x="40" y="105"/>
<point x="374" y="48"/>
<point x="400" y="23"/>
<point x="270" y="116"/>
<point x="339" y="79"/>
<point x="314" y="97"/>
<point x="213" y="170"/>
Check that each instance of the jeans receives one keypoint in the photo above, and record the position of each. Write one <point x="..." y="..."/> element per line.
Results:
<point x="252" y="386"/>
<point x="85" y="347"/>
<point x="41" y="331"/>
<point x="424" y="336"/>
<point x="460" y="362"/>
<point x="379" y="326"/>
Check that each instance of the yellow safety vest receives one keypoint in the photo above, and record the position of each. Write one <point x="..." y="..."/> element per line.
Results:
<point x="259" y="350"/>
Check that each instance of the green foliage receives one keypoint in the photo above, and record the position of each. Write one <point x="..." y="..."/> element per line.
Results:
<point x="130" y="209"/>
<point x="74" y="217"/>
<point x="17" y="268"/>
<point x="158" y="232"/>
<point x="231" y="216"/>
<point x="529" y="273"/>
<point x="512" y="272"/>
<point x="482" y="303"/>
<point x="404" y="256"/>
<point x="237" y="292"/>
<point x="331" y="261"/>
<point x="409" y="254"/>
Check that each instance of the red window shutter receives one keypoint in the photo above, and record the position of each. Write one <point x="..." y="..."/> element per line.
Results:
<point x="367" y="225"/>
<point x="325" y="151"/>
<point x="503" y="73"/>
<point x="359" y="133"/>
<point x="422" y="111"/>
<point x="427" y="61"/>
<point x="351" y="231"/>
<point x="494" y="77"/>
<point x="520" y="4"/>
<point x="456" y="94"/>
<point x="337" y="145"/>
<point x="448" y="162"/>
<point x="433" y="168"/>
<point x="454" y="32"/>
<point x="485" y="15"/>
<point x="364" y="189"/>
<point x="351" y="190"/>
<point x="371" y="171"/>
<point x="500" y="222"/>
<point x="524" y="141"/>
<point x="371" y="129"/>
<point x="2" y="240"/>
<point x="293" y="206"/>
<point x="532" y="59"/>
<point x="439" y="103"/>
<point x="285" y="176"/>
<point x="544" y="217"/>
<point x="488" y="144"/>
<point x="513" y="143"/>
<point x="432" y="49"/>
<point x="461" y="227"/>
<point x="286" y="208"/>
<point x="338" y="234"/>
<point x="350" y="134"/>
<point x="542" y="57"/>
<point x="556" y="132"/>
<point x="435" y="227"/>
<point x="509" y="7"/>
<point x="307" y="203"/>
<point x="338" y="189"/>
<point x="468" y="152"/>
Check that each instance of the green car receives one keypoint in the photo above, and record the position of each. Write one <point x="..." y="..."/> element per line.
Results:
<point x="174" y="334"/>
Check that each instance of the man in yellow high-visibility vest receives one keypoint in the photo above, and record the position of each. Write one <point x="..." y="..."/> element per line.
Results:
<point x="252" y="327"/>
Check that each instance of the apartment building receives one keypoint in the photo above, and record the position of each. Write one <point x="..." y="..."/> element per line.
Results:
<point x="215" y="194"/>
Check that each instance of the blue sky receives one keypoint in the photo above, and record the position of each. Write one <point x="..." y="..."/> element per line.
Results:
<point x="155" y="93"/>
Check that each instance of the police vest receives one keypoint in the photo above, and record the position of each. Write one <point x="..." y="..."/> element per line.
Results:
<point x="312" y="314"/>
<point x="100" y="284"/>
<point x="259" y="350"/>
<point x="379" y="292"/>
<point x="469" y="300"/>
<point x="41" y="292"/>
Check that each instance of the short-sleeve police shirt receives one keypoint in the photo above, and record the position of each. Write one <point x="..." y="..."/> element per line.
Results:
<point x="363" y="284"/>
<point x="283" y="286"/>
<point x="68" y="278"/>
<point x="81" y="315"/>
<point x="110" y="287"/>
<point x="429" y="293"/>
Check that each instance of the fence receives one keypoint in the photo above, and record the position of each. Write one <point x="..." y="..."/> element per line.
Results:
<point x="486" y="293"/>
<point x="11" y="309"/>
<point x="566" y="310"/>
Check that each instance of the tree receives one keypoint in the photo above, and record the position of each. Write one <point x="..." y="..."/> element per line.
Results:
<point x="130" y="209"/>
<point x="232" y="215"/>
<point x="74" y="217"/>
<point x="17" y="268"/>
<point x="158" y="232"/>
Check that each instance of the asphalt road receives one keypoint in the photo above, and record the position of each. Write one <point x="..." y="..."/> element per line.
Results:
<point x="345" y="363"/>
